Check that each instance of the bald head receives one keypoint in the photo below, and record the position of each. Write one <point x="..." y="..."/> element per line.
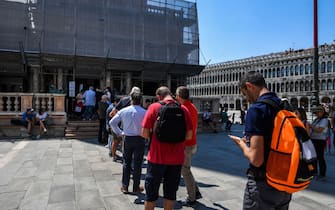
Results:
<point x="163" y="91"/>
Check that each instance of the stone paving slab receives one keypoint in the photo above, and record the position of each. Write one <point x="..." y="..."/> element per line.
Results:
<point x="73" y="174"/>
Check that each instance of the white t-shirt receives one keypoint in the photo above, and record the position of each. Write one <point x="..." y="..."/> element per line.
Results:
<point x="320" y="123"/>
<point x="42" y="117"/>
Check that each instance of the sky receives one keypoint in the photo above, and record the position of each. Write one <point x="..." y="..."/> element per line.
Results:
<point x="237" y="29"/>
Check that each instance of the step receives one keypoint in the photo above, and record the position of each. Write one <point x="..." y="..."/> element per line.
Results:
<point x="80" y="136"/>
<point x="83" y="123"/>
<point x="90" y="133"/>
<point x="81" y="129"/>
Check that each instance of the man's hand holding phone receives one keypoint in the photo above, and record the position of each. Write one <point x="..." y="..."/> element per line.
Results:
<point x="236" y="139"/>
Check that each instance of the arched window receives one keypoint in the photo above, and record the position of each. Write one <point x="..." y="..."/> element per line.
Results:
<point x="278" y="88"/>
<point x="301" y="86"/>
<point x="269" y="73"/>
<point x="273" y="73"/>
<point x="301" y="69"/>
<point x="323" y="85"/>
<point x="278" y="72"/>
<point x="296" y="86"/>
<point x="323" y="67"/>
<point x="282" y="72"/>
<point x="311" y="69"/>
<point x="296" y="70"/>
<point x="329" y="84"/>
<point x="291" y="87"/>
<point x="287" y="87"/>
<point x="265" y="73"/>
<point x="291" y="71"/>
<point x="329" y="66"/>
<point x="306" y="85"/>
<point x="306" y="69"/>
<point x="286" y="71"/>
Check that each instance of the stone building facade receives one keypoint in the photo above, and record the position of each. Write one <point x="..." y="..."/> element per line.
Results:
<point x="289" y="74"/>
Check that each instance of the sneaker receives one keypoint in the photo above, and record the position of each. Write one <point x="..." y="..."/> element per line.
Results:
<point x="124" y="190"/>
<point x="45" y="130"/>
<point x="187" y="202"/>
<point x="198" y="195"/>
<point x="139" y="189"/>
<point x="38" y="136"/>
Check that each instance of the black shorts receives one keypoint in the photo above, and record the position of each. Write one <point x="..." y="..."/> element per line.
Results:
<point x="170" y="174"/>
<point x="116" y="138"/>
<point x="38" y="122"/>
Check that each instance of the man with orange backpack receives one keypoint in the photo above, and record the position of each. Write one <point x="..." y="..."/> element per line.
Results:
<point x="257" y="143"/>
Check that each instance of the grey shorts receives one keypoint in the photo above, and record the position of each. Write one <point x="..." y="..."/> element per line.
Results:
<point x="259" y="195"/>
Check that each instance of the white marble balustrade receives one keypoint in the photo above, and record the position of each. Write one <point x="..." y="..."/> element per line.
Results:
<point x="18" y="102"/>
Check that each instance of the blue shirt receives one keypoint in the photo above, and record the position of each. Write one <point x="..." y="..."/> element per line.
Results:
<point x="26" y="116"/>
<point x="259" y="121"/>
<point x="131" y="118"/>
<point x="89" y="96"/>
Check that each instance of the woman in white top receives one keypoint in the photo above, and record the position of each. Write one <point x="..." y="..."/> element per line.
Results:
<point x="41" y="117"/>
<point x="319" y="129"/>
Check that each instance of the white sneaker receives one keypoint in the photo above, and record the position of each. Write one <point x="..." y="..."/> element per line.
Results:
<point x="45" y="130"/>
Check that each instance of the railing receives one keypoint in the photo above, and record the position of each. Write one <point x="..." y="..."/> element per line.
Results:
<point x="13" y="103"/>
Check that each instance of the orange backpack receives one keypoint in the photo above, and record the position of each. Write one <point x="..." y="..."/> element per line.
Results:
<point x="292" y="156"/>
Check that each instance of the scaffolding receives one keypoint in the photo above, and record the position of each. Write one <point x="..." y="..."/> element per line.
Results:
<point x="145" y="30"/>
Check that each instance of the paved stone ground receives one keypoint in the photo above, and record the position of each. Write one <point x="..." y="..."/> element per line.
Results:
<point x="73" y="174"/>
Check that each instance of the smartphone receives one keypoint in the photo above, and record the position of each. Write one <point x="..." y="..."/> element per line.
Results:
<point x="235" y="138"/>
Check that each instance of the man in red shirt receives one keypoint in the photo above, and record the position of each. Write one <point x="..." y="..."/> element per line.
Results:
<point x="165" y="160"/>
<point x="183" y="97"/>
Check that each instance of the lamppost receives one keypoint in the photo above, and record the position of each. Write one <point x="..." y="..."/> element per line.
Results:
<point x="315" y="99"/>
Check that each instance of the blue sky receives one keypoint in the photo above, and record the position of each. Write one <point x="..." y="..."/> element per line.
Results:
<point x="235" y="29"/>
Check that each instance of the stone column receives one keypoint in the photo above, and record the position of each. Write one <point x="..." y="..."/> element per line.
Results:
<point x="128" y="82"/>
<point x="299" y="98"/>
<point x="121" y="83"/>
<point x="35" y="80"/>
<point x="168" y="81"/>
<point x="108" y="78"/>
<point x="309" y="103"/>
<point x="42" y="83"/>
<point x="59" y="79"/>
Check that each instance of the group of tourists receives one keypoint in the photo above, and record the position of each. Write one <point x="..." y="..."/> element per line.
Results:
<point x="30" y="118"/>
<point x="135" y="126"/>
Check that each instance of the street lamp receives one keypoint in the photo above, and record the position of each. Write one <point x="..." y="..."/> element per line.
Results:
<point x="315" y="100"/>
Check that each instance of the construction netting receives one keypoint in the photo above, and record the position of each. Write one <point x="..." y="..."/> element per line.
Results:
<point x="154" y="30"/>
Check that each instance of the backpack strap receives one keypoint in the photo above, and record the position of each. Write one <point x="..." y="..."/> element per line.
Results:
<point x="173" y="102"/>
<point x="162" y="103"/>
<point x="272" y="103"/>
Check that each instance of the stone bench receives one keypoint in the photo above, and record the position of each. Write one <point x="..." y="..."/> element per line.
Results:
<point x="56" y="125"/>
<point x="21" y="131"/>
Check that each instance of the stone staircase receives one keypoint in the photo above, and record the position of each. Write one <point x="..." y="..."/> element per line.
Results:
<point x="78" y="129"/>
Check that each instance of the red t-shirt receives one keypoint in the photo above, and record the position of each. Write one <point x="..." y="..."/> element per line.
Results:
<point x="194" y="116"/>
<point x="164" y="153"/>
